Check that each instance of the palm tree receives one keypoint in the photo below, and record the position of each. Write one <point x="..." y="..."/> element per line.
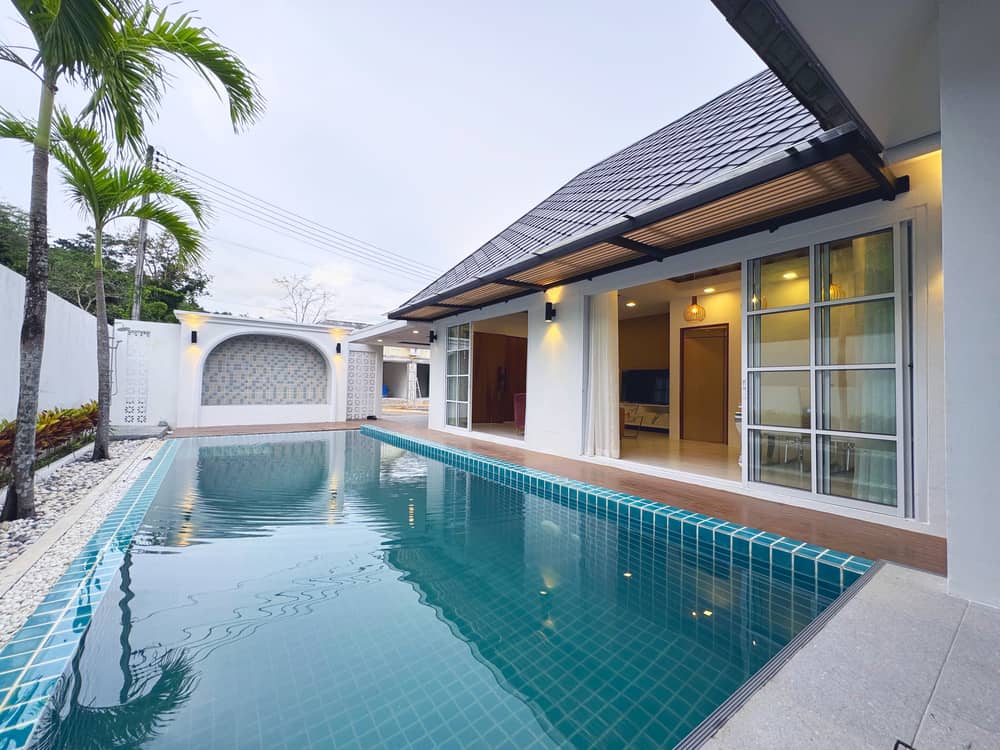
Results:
<point x="116" y="49"/>
<point x="105" y="192"/>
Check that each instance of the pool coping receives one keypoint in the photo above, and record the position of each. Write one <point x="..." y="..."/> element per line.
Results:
<point x="712" y="723"/>
<point x="821" y="563"/>
<point x="34" y="659"/>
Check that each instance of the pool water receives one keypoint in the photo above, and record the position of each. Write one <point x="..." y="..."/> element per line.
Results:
<point x="334" y="591"/>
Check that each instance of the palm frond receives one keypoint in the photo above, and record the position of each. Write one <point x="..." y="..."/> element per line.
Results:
<point x="16" y="128"/>
<point x="71" y="34"/>
<point x="131" y="80"/>
<point x="7" y="54"/>
<point x="190" y="244"/>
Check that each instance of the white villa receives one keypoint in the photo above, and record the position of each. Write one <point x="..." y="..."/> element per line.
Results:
<point x="786" y="293"/>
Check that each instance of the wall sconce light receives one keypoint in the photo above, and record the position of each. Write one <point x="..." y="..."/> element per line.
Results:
<point x="194" y="337"/>
<point x="694" y="312"/>
<point x="432" y="337"/>
<point x="338" y="347"/>
<point x="550" y="312"/>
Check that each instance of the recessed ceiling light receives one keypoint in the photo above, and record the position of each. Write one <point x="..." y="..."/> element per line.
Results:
<point x="415" y="330"/>
<point x="789" y="275"/>
<point x="379" y="340"/>
<point x="630" y="303"/>
<point x="709" y="289"/>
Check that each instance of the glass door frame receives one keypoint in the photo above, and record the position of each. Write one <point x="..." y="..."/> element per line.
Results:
<point x="902" y="243"/>
<point x="468" y="380"/>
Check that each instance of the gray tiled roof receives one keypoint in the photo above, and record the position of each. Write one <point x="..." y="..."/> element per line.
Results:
<point x="755" y="118"/>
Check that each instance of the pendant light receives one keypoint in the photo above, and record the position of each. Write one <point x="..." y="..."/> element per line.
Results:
<point x="694" y="313"/>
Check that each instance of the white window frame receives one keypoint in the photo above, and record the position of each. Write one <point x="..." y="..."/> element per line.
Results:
<point x="903" y="237"/>
<point x="447" y="381"/>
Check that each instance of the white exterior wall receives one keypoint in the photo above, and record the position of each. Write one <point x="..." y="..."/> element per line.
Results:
<point x="69" y="361"/>
<point x="970" y="111"/>
<point x="144" y="365"/>
<point x="557" y="351"/>
<point x="213" y="330"/>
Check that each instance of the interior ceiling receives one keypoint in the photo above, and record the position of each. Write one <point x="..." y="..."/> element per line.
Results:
<point x="655" y="298"/>
<point x="411" y="335"/>
<point x="883" y="54"/>
<point x="515" y="324"/>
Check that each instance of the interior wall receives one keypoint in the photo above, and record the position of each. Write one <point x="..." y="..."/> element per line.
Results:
<point x="722" y="307"/>
<point x="644" y="343"/>
<point x="507" y="325"/>
<point x="499" y="370"/>
<point x="394" y="376"/>
<point x="423" y="379"/>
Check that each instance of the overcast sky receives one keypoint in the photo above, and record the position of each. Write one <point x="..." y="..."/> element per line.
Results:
<point x="424" y="128"/>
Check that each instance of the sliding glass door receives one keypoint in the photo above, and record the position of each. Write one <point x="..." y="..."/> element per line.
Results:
<point x="459" y="360"/>
<point x="824" y="370"/>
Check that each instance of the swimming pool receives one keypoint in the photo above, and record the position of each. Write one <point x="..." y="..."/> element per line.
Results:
<point x="337" y="590"/>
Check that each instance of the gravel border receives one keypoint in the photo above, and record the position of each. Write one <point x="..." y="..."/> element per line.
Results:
<point x="72" y="504"/>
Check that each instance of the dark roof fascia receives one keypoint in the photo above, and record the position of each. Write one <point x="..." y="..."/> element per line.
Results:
<point x="765" y="27"/>
<point x="845" y="139"/>
<point x="770" y="225"/>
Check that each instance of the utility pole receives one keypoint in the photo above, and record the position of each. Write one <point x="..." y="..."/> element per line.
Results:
<point x="140" y="255"/>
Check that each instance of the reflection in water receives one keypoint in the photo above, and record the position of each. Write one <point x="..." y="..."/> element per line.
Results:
<point x="333" y="591"/>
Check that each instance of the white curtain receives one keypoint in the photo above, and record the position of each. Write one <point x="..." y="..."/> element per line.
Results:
<point x="602" y="434"/>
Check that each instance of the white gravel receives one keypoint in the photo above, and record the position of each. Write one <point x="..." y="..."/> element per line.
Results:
<point x="54" y="496"/>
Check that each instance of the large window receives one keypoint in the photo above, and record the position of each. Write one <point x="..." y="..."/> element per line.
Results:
<point x="823" y="369"/>
<point x="457" y="394"/>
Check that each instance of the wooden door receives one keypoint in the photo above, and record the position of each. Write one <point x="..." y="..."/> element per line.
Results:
<point x="705" y="383"/>
<point x="499" y="370"/>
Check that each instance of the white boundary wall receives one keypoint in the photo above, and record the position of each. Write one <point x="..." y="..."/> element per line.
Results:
<point x="144" y="373"/>
<point x="69" y="363"/>
<point x="213" y="329"/>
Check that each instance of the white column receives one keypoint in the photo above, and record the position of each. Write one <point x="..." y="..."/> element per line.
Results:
<point x="970" y="143"/>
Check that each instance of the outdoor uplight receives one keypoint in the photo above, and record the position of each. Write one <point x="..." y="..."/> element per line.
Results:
<point x="550" y="312"/>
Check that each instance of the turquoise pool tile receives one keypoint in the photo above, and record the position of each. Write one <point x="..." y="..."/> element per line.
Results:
<point x="16" y="737"/>
<point x="22" y="713"/>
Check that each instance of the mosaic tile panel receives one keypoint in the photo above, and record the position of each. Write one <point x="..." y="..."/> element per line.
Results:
<point x="256" y="369"/>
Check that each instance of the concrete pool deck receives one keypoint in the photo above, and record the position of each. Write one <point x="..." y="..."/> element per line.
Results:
<point x="902" y="660"/>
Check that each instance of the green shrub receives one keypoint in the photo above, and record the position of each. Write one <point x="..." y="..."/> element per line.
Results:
<point x="54" y="429"/>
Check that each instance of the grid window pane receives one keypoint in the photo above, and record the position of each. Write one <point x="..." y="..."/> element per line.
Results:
<point x="783" y="458"/>
<point x="858" y="401"/>
<point x="780" y="339"/>
<point x="863" y="333"/>
<point x="457" y="414"/>
<point x="859" y="468"/>
<point x="780" y="280"/>
<point x="458" y="362"/>
<point x="856" y="267"/>
<point x="780" y="399"/>
<point x="458" y="388"/>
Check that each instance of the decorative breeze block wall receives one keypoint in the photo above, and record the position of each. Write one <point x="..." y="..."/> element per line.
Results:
<point x="256" y="369"/>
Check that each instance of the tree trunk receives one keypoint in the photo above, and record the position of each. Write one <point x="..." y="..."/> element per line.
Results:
<point x="20" y="500"/>
<point x="103" y="434"/>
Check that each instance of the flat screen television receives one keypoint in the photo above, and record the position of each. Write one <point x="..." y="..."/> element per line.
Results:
<point x="646" y="387"/>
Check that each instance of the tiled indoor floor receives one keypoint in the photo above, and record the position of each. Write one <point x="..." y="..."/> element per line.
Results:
<point x="501" y="429"/>
<point x="658" y="449"/>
